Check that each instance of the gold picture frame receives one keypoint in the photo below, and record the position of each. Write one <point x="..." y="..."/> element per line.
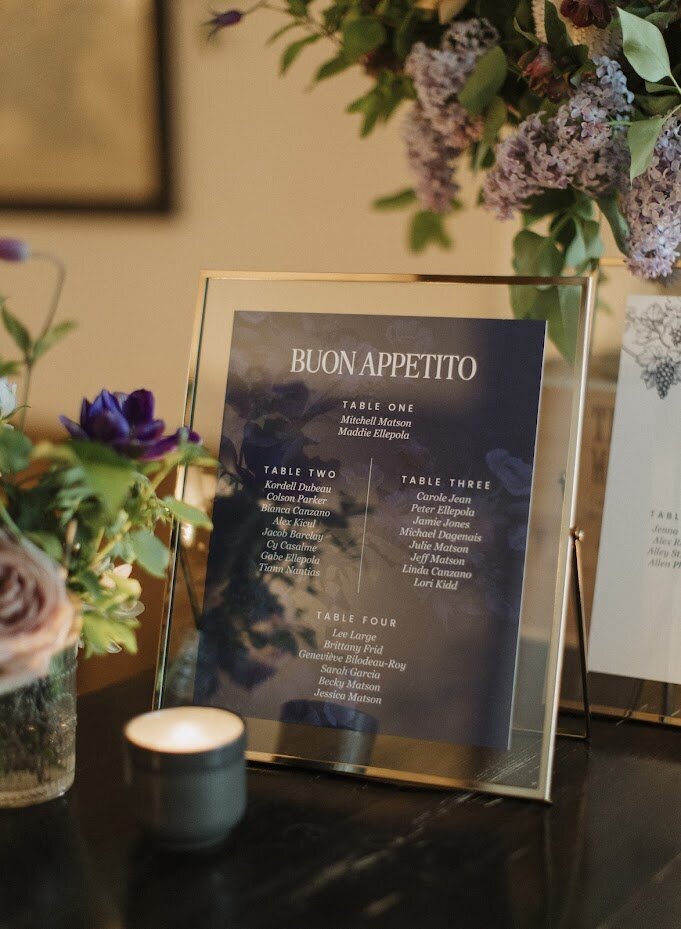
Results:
<point x="524" y="768"/>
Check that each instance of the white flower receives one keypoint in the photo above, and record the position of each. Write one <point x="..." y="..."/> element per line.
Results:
<point x="8" y="398"/>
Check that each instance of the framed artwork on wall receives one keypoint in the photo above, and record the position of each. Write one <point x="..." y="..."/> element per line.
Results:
<point x="83" y="106"/>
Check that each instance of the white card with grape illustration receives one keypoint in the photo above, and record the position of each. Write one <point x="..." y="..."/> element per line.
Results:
<point x="636" y="619"/>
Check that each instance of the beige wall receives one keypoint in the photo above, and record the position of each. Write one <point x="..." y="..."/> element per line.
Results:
<point x="268" y="177"/>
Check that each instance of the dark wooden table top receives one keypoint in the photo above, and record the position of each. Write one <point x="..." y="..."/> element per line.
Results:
<point x="323" y="852"/>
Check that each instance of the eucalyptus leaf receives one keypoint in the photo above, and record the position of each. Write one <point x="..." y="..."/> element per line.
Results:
<point x="644" y="47"/>
<point x="641" y="138"/>
<point x="484" y="82"/>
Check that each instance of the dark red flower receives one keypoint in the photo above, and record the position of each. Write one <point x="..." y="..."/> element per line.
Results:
<point x="587" y="12"/>
<point x="540" y="72"/>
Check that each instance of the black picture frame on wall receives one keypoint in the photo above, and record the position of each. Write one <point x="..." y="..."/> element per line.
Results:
<point x="84" y="107"/>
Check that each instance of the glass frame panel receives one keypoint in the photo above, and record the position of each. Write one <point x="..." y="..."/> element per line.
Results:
<point x="525" y="769"/>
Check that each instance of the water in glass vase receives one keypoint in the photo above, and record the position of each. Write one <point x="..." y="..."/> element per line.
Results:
<point x="38" y="736"/>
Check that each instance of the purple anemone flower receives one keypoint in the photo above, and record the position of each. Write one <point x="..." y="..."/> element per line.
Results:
<point x="220" y="21"/>
<point x="14" y="250"/>
<point x="125" y="422"/>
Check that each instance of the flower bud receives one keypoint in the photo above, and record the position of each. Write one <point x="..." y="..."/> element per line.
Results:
<point x="14" y="250"/>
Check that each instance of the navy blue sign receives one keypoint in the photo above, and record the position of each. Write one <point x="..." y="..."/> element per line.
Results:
<point x="366" y="566"/>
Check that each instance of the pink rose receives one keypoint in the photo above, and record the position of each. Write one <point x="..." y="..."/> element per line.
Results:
<point x="36" y="616"/>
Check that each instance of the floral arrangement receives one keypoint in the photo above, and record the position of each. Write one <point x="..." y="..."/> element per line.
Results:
<point x="76" y="515"/>
<point x="565" y="106"/>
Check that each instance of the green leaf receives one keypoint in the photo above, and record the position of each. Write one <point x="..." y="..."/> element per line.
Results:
<point x="575" y="253"/>
<point x="655" y="88"/>
<point x="641" y="138"/>
<point x="535" y="255"/>
<point x="100" y="632"/>
<point x="15" y="450"/>
<point x="526" y="301"/>
<point x="280" y="32"/>
<point x="49" y="543"/>
<point x="547" y="204"/>
<point x="293" y="50"/>
<point x="427" y="227"/>
<point x="530" y="36"/>
<point x="150" y="552"/>
<point x="495" y="118"/>
<point x="662" y="20"/>
<point x="484" y="81"/>
<point x="297" y="7"/>
<point x="109" y="476"/>
<point x="17" y="331"/>
<point x="556" y="33"/>
<point x="185" y="513"/>
<point x="659" y="105"/>
<point x="404" y="37"/>
<point x="51" y="338"/>
<point x="609" y="207"/>
<point x="331" y="67"/>
<point x="362" y="36"/>
<point x="644" y="47"/>
<point x="395" y="201"/>
<point x="9" y="367"/>
<point x="563" y="324"/>
<point x="592" y="238"/>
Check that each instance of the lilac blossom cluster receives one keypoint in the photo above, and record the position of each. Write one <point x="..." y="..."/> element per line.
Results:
<point x="430" y="161"/>
<point x="652" y="208"/>
<point x="581" y="146"/>
<point x="438" y="127"/>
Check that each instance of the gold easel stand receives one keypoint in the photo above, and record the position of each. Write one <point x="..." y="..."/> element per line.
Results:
<point x="576" y="538"/>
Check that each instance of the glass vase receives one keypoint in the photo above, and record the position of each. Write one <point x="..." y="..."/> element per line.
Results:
<point x="38" y="736"/>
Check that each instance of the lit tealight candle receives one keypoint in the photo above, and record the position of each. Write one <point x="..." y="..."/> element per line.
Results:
<point x="186" y="770"/>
